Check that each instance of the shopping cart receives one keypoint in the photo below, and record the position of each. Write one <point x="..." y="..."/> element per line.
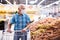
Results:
<point x="10" y="36"/>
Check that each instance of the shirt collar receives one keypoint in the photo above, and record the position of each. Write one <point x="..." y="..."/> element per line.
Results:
<point x="20" y="15"/>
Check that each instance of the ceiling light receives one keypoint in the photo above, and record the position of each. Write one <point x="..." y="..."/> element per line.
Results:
<point x="32" y="2"/>
<point x="7" y="1"/>
<point x="52" y="4"/>
<point x="41" y="2"/>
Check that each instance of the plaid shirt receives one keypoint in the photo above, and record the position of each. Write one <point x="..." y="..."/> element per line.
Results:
<point x="20" y="21"/>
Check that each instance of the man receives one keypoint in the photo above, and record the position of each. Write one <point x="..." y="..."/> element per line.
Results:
<point x="21" y="20"/>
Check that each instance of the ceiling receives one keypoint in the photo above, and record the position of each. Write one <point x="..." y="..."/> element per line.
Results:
<point x="45" y="2"/>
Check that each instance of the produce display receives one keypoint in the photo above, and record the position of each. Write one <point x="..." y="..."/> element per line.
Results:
<point x="46" y="29"/>
<point x="8" y="8"/>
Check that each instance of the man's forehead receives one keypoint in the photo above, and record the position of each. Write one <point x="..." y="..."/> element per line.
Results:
<point x="21" y="6"/>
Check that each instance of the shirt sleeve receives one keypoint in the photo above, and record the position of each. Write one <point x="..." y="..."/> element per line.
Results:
<point x="28" y="19"/>
<point x="12" y="21"/>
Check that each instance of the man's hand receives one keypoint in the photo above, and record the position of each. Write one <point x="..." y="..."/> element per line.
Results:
<point x="24" y="30"/>
<point x="9" y="30"/>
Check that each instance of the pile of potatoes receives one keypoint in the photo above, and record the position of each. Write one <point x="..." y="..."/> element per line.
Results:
<point x="45" y="29"/>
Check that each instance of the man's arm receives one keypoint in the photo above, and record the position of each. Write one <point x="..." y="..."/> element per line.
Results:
<point x="24" y="30"/>
<point x="28" y="22"/>
<point x="9" y="28"/>
<point x="12" y="21"/>
<point x="27" y="27"/>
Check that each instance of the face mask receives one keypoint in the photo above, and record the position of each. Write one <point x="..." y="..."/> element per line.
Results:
<point x="23" y="11"/>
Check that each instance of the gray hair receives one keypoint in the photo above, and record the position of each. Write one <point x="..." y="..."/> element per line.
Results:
<point x="20" y="5"/>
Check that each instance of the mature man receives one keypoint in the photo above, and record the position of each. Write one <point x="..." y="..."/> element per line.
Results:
<point x="21" y="20"/>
